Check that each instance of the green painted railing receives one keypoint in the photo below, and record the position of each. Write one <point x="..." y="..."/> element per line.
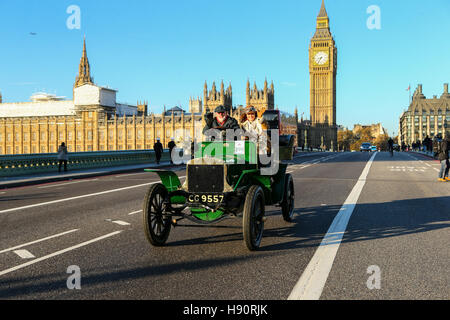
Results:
<point x="29" y="164"/>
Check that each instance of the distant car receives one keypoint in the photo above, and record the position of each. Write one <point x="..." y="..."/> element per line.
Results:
<point x="366" y="147"/>
<point x="396" y="147"/>
<point x="373" y="148"/>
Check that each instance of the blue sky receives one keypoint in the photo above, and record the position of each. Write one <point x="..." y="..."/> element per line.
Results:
<point x="163" y="51"/>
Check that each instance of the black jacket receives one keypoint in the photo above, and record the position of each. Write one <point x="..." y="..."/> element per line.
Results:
<point x="158" y="147"/>
<point x="443" y="155"/>
<point x="171" y="145"/>
<point x="231" y="123"/>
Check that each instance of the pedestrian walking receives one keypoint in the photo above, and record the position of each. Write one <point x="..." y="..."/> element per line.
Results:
<point x="63" y="156"/>
<point x="171" y="146"/>
<point x="442" y="155"/>
<point x="158" y="148"/>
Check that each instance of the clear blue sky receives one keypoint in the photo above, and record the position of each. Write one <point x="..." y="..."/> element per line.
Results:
<point x="163" y="51"/>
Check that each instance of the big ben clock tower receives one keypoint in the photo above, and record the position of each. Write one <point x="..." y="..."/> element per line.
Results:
<point x="323" y="69"/>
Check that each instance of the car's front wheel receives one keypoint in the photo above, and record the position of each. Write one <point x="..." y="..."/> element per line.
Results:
<point x="156" y="224"/>
<point x="253" y="218"/>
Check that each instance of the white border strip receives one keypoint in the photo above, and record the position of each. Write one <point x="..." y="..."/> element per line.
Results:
<point x="37" y="241"/>
<point x="80" y="197"/>
<point x="313" y="279"/>
<point x="57" y="253"/>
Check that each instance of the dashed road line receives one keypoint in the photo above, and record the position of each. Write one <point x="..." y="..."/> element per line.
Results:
<point x="24" y="254"/>
<point x="132" y="213"/>
<point x="120" y="222"/>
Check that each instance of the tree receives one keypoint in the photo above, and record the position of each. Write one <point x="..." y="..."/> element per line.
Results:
<point x="382" y="142"/>
<point x="345" y="140"/>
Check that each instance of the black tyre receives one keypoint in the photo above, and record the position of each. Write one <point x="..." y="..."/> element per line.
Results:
<point x="253" y="217"/>
<point x="288" y="204"/>
<point x="156" y="226"/>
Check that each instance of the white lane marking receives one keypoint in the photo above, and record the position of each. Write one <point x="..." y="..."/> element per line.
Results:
<point x="80" y="197"/>
<point x="303" y="165"/>
<point x="2" y="192"/>
<point x="57" y="253"/>
<point x="121" y="223"/>
<point x="130" y="174"/>
<point x="37" y="241"/>
<point x="131" y="213"/>
<point x="65" y="184"/>
<point x="24" y="254"/>
<point x="313" y="279"/>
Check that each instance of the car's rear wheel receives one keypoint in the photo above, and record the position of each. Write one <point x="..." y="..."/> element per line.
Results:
<point x="156" y="224"/>
<point x="288" y="204"/>
<point x="253" y="218"/>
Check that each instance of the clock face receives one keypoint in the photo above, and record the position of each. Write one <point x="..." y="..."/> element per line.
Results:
<point x="321" y="58"/>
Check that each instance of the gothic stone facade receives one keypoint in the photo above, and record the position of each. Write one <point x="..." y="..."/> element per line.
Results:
<point x="425" y="117"/>
<point x="93" y="121"/>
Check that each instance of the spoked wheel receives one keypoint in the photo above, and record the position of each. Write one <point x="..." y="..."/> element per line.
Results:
<point x="288" y="204"/>
<point x="156" y="225"/>
<point x="253" y="219"/>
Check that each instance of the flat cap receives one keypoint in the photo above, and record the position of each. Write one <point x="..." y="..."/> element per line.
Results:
<point x="220" y="109"/>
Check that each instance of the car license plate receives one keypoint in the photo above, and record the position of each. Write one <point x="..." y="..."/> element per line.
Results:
<point x="205" y="198"/>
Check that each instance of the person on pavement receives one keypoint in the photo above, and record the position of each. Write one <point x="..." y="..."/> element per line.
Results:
<point x="171" y="146"/>
<point x="442" y="155"/>
<point x="63" y="156"/>
<point x="158" y="147"/>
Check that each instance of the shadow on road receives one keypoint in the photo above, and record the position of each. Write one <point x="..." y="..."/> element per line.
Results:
<point x="368" y="222"/>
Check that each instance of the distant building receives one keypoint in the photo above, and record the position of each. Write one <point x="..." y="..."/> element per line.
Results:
<point x="375" y="129"/>
<point x="323" y="71"/>
<point x="92" y="121"/>
<point x="425" y="117"/>
<point x="95" y="121"/>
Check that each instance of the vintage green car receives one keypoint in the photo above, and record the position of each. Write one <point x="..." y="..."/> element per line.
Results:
<point x="223" y="180"/>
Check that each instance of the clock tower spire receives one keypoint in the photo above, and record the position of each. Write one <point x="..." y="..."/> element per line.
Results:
<point x="323" y="70"/>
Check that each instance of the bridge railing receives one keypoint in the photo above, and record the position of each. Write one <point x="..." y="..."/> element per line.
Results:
<point x="29" y="164"/>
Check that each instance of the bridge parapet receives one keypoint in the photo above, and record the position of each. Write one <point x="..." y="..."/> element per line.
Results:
<point x="29" y="164"/>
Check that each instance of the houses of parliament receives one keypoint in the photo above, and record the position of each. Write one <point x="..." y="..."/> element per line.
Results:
<point x="95" y="121"/>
